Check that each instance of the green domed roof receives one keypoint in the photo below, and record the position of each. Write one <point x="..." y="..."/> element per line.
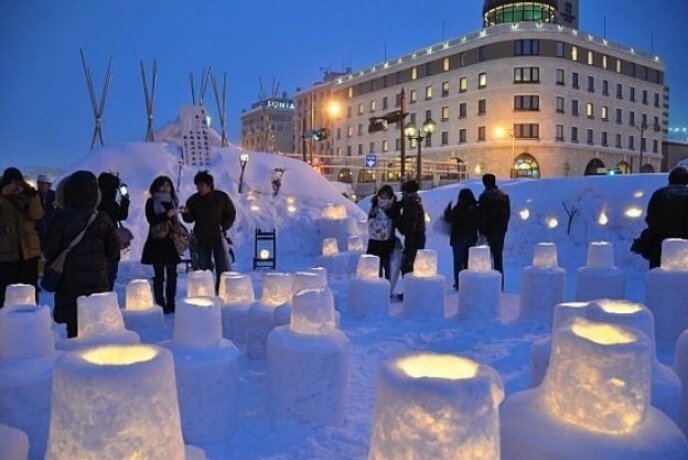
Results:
<point x="501" y="11"/>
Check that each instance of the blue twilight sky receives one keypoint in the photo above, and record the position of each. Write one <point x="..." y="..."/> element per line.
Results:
<point x="45" y="113"/>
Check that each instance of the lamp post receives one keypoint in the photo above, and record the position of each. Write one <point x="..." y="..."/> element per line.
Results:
<point x="501" y="133"/>
<point x="642" y="128"/>
<point x="334" y="110"/>
<point x="413" y="133"/>
<point x="243" y="159"/>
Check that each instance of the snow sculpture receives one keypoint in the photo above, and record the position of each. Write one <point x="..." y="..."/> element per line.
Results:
<point x="667" y="291"/>
<point x="334" y="212"/>
<point x="277" y="292"/>
<point x="424" y="288"/>
<point x="14" y="443"/>
<point x="436" y="406"/>
<point x="543" y="285"/>
<point x="27" y="357"/>
<point x="308" y="363"/>
<point x="20" y="294"/>
<point x="594" y="402"/>
<point x="125" y="406"/>
<point x="334" y="223"/>
<point x="368" y="293"/>
<point x="355" y="244"/>
<point x="600" y="279"/>
<point x="205" y="367"/>
<point x="236" y="294"/>
<point x="330" y="247"/>
<point x="99" y="321"/>
<point x="141" y="314"/>
<point x="200" y="283"/>
<point x="480" y="287"/>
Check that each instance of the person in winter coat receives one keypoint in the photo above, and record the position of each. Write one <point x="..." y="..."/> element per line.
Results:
<point x="47" y="196"/>
<point x="159" y="250"/>
<point x="20" y="246"/>
<point x="667" y="213"/>
<point x="86" y="265"/>
<point x="464" y="219"/>
<point x="117" y="210"/>
<point x="212" y="213"/>
<point x="411" y="224"/>
<point x="384" y="212"/>
<point x="495" y="211"/>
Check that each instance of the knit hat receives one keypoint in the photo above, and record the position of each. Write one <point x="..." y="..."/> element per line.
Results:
<point x="44" y="179"/>
<point x="12" y="174"/>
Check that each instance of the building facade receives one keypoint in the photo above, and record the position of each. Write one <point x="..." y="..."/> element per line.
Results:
<point x="269" y="126"/>
<point x="532" y="98"/>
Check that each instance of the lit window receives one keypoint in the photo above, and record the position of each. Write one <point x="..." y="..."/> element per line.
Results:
<point x="351" y="91"/>
<point x="605" y="112"/>
<point x="482" y="80"/>
<point x="428" y="92"/>
<point x="590" y="110"/>
<point x="445" y="113"/>
<point x="413" y="96"/>
<point x="385" y="145"/>
<point x="574" y="53"/>
<point x="373" y="106"/>
<point x="591" y="58"/>
<point x="445" y="64"/>
<point x="445" y="88"/>
<point x="463" y="84"/>
<point x="414" y="73"/>
<point x="619" y="66"/>
<point x="360" y="109"/>
<point x="604" y="61"/>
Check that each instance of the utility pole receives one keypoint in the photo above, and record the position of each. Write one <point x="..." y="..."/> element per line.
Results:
<point x="303" y="139"/>
<point x="402" y="137"/>
<point x="643" y="126"/>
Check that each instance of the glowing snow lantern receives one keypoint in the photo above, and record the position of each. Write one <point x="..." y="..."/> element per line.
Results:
<point x="291" y="200"/>
<point x="313" y="312"/>
<point x="321" y="272"/>
<point x="236" y="288"/>
<point x="602" y="219"/>
<point x="26" y="332"/>
<point x="355" y="244"/>
<point x="633" y="212"/>
<point x="552" y="222"/>
<point x="127" y="394"/>
<point x="139" y="295"/>
<point x="264" y="254"/>
<point x="20" y="294"/>
<point x="675" y="254"/>
<point x="334" y="212"/>
<point x="368" y="267"/>
<point x="329" y="247"/>
<point x="254" y="208"/>
<point x="599" y="376"/>
<point x="425" y="265"/>
<point x="638" y="194"/>
<point x="277" y="289"/>
<point x="306" y="280"/>
<point x="479" y="259"/>
<point x="436" y="406"/>
<point x="98" y="314"/>
<point x="291" y="208"/>
<point x="198" y="322"/>
<point x="200" y="283"/>
<point x="567" y="311"/>
<point x="524" y="213"/>
<point x="600" y="255"/>
<point x="545" y="256"/>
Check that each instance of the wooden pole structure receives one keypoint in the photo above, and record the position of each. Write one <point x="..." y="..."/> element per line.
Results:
<point x="98" y="108"/>
<point x="149" y="99"/>
<point x="221" y="101"/>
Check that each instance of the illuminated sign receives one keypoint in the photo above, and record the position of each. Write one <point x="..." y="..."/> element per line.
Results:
<point x="279" y="105"/>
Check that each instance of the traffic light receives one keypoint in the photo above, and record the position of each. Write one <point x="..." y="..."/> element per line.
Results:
<point x="319" y="135"/>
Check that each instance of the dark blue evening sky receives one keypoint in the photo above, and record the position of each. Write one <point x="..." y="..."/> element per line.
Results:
<point x="45" y="114"/>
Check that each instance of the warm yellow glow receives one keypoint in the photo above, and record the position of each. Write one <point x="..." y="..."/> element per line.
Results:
<point x="291" y="208"/>
<point x="604" y="334"/>
<point x="329" y="247"/>
<point x="334" y="212"/>
<point x="602" y="219"/>
<point x="119" y="355"/>
<point x="243" y="158"/>
<point x="250" y="196"/>
<point x="264" y="254"/>
<point x="500" y="132"/>
<point x="438" y="367"/>
<point x="334" y="108"/>
<point x="427" y="218"/>
<point x="255" y="207"/>
<point x="633" y="212"/>
<point x="291" y="200"/>
<point x="524" y="213"/>
<point x="552" y="222"/>
<point x="621" y="308"/>
<point x="203" y="302"/>
<point x="638" y="194"/>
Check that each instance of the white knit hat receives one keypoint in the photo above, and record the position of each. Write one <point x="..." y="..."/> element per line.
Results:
<point x="43" y="178"/>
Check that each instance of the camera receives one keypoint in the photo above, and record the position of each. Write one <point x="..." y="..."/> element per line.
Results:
<point x="123" y="189"/>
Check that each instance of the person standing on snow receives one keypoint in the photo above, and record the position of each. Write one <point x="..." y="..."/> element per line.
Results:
<point x="495" y="211"/>
<point x="384" y="212"/>
<point x="411" y="224"/>
<point x="118" y="211"/>
<point x="464" y="219"/>
<point x="212" y="213"/>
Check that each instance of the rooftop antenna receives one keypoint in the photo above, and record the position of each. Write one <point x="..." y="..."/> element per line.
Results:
<point x="221" y="101"/>
<point x="385" y="51"/>
<point x="268" y="142"/>
<point x="652" y="43"/>
<point x="604" y="27"/>
<point x="98" y="108"/>
<point x="205" y="77"/>
<point x="149" y="98"/>
<point x="442" y="29"/>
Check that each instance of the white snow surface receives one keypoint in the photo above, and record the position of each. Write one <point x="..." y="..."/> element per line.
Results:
<point x="504" y="344"/>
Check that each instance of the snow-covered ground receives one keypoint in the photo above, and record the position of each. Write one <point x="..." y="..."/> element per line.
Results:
<point x="609" y="208"/>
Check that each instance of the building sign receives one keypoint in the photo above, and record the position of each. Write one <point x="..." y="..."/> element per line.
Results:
<point x="370" y="161"/>
<point x="195" y="126"/>
<point x="279" y="104"/>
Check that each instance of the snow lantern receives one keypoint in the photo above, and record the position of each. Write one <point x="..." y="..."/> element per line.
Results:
<point x="306" y="280"/>
<point x="479" y="259"/>
<point x="26" y="332"/>
<point x="675" y="254"/>
<point x="436" y="406"/>
<point x="334" y="212"/>
<point x="566" y="311"/>
<point x="524" y="214"/>
<point x="545" y="256"/>
<point x="355" y="244"/>
<point x="198" y="322"/>
<point x="425" y="265"/>
<point x="114" y="402"/>
<point x="277" y="289"/>
<point x="14" y="443"/>
<point x="368" y="267"/>
<point x="552" y="222"/>
<point x="600" y="255"/>
<point x="236" y="288"/>
<point x="633" y="212"/>
<point x="313" y="312"/>
<point x="20" y="294"/>
<point x="98" y="314"/>
<point x="200" y="283"/>
<point x="139" y="295"/>
<point x="329" y="247"/>
<point x="321" y="272"/>
<point x="599" y="376"/>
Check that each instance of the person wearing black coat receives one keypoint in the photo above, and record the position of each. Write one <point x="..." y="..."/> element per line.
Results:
<point x="495" y="211"/>
<point x="159" y="250"/>
<point x="464" y="219"/>
<point x="47" y="195"/>
<point x="212" y="213"/>
<point x="411" y="224"/>
<point x="117" y="210"/>
<point x="667" y="213"/>
<point x="384" y="213"/>
<point x="85" y="268"/>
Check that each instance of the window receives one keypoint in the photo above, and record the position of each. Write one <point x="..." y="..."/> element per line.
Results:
<point x="360" y="129"/>
<point x="619" y="116"/>
<point x="413" y="97"/>
<point x="605" y="113"/>
<point x="445" y="88"/>
<point x="348" y="112"/>
<point x="591" y="84"/>
<point x="360" y="109"/>
<point x="339" y="151"/>
<point x="604" y="139"/>
<point x="560" y="77"/>
<point x="574" y="134"/>
<point x="428" y="92"/>
<point x="560" y="104"/>
<point x="560" y="49"/>
<point x="462" y="110"/>
<point x="371" y="147"/>
<point x="463" y="84"/>
<point x="482" y="80"/>
<point x="482" y="103"/>
<point x="339" y="133"/>
<point x="445" y="64"/>
<point x="526" y="131"/>
<point x="526" y="47"/>
<point x="655" y="124"/>
<point x="462" y="59"/>
<point x="644" y="120"/>
<point x="428" y="114"/>
<point x="527" y="75"/>
<point x="397" y="144"/>
<point x="428" y="141"/>
<point x="349" y="131"/>
<point x="531" y="103"/>
<point x="591" y="139"/>
<point x="643" y="144"/>
<point x="632" y="96"/>
<point x="445" y="137"/>
<point x="412" y="118"/>
<point x="618" y="141"/>
<point x="574" y="107"/>
<point x="373" y="106"/>
<point x="645" y="96"/>
<point x="481" y="54"/>
<point x="631" y="118"/>
<point x="619" y="91"/>
<point x="574" y="80"/>
<point x="654" y="146"/>
<point x="574" y="53"/>
<point x="445" y="113"/>
<point x="619" y="66"/>
<point x="656" y="99"/>
<point x="605" y="87"/>
<point x="462" y="136"/>
<point x="414" y="73"/>
<point x="360" y="149"/>
<point x="631" y="143"/>
<point x="481" y="133"/>
<point x="350" y="92"/>
<point x="385" y="105"/>
<point x="590" y="110"/>
<point x="385" y="145"/>
<point x="560" y="132"/>
<point x="605" y="58"/>
<point x="591" y="58"/>
<point x="348" y="150"/>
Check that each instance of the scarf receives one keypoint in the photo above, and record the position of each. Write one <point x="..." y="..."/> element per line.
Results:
<point x="159" y="201"/>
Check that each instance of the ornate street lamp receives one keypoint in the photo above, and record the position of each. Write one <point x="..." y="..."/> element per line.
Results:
<point x="413" y="133"/>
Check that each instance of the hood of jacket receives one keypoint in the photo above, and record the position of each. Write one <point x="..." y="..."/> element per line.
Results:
<point x="108" y="184"/>
<point x="79" y="191"/>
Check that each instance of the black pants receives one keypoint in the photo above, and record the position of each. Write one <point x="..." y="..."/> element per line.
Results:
<point x="411" y="247"/>
<point x="460" y="253"/>
<point x="166" y="301"/>
<point x="496" y="243"/>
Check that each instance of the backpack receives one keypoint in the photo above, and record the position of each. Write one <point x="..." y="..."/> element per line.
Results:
<point x="379" y="226"/>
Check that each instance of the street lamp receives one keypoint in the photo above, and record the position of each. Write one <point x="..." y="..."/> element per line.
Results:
<point x="334" y="110"/>
<point x="413" y="133"/>
<point x="642" y="128"/>
<point x="243" y="159"/>
<point x="501" y="133"/>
